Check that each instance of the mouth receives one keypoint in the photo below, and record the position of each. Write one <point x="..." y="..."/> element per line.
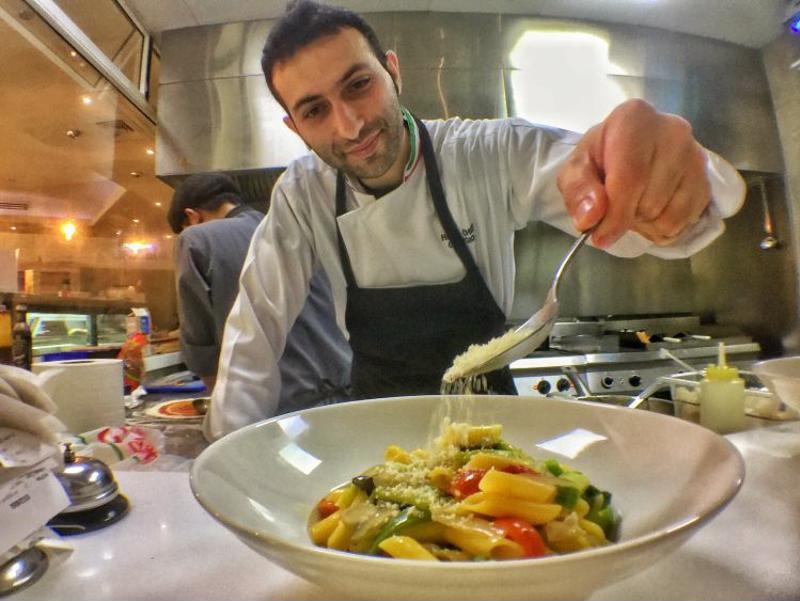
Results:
<point x="367" y="147"/>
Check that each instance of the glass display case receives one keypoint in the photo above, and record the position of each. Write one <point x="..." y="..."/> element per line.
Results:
<point x="59" y="325"/>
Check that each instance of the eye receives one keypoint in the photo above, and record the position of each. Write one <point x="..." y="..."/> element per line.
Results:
<point x="314" y="111"/>
<point x="360" y="83"/>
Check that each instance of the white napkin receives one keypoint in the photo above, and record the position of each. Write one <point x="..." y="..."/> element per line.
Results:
<point x="25" y="406"/>
<point x="30" y="493"/>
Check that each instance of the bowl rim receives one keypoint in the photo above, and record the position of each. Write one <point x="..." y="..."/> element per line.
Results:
<point x="766" y="366"/>
<point x="665" y="534"/>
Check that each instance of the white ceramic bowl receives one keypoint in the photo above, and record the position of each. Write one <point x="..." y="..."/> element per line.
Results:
<point x="782" y="377"/>
<point x="668" y="478"/>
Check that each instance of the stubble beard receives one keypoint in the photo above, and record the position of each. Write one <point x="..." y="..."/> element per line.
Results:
<point x="390" y="126"/>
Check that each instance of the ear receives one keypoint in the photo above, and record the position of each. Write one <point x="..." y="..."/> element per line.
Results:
<point x="289" y="122"/>
<point x="192" y="217"/>
<point x="393" y="66"/>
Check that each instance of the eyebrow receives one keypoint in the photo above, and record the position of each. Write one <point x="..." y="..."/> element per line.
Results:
<point x="313" y="97"/>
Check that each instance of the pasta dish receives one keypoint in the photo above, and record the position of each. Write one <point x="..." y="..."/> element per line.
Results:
<point x="470" y="496"/>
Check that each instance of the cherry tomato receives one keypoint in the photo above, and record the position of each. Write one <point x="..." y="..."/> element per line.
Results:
<point x="519" y="468"/>
<point x="524" y="534"/>
<point x="465" y="483"/>
<point x="326" y="507"/>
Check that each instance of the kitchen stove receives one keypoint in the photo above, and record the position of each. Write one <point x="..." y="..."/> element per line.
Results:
<point x="624" y="355"/>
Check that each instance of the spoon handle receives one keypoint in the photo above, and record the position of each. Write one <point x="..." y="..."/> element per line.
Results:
<point x="567" y="258"/>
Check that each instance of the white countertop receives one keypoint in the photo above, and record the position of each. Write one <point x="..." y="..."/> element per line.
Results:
<point x="167" y="547"/>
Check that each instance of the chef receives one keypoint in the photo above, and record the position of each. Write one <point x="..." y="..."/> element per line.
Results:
<point x="414" y="221"/>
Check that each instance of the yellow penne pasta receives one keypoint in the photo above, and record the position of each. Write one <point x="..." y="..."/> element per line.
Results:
<point x="477" y="542"/>
<point x="340" y="537"/>
<point x="335" y="495"/>
<point x="405" y="547"/>
<point x="426" y="532"/>
<point x="594" y="531"/>
<point x="347" y="496"/>
<point x="484" y="436"/>
<point x="322" y="530"/>
<point x="486" y="461"/>
<point x="446" y="553"/>
<point x="503" y="506"/>
<point x="440" y="477"/>
<point x="518" y="486"/>
<point x="396" y="454"/>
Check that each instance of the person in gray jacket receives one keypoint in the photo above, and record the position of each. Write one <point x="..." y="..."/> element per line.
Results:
<point x="215" y="229"/>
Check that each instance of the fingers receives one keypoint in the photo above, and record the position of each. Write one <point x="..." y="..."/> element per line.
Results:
<point x="580" y="183"/>
<point x="645" y="171"/>
<point x="685" y="209"/>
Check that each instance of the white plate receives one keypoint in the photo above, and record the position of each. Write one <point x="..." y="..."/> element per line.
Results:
<point x="161" y="410"/>
<point x="668" y="477"/>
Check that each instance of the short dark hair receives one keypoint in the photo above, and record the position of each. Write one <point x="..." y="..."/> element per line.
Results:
<point x="201" y="191"/>
<point x="304" y="22"/>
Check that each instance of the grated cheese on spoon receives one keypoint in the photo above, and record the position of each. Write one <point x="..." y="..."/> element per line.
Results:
<point x="477" y="354"/>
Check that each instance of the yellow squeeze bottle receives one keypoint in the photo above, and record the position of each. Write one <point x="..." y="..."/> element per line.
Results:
<point x="722" y="397"/>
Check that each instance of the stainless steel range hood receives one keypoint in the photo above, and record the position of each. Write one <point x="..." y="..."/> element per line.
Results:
<point x="215" y="112"/>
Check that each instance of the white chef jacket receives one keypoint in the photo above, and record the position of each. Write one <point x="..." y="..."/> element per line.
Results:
<point x="498" y="175"/>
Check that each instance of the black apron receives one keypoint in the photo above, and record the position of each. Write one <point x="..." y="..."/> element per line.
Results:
<point x="404" y="339"/>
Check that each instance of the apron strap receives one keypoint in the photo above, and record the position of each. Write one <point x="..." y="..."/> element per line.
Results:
<point x="440" y="203"/>
<point x="341" y="210"/>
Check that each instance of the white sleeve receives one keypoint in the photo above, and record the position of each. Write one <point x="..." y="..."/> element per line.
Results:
<point x="272" y="289"/>
<point x="535" y="156"/>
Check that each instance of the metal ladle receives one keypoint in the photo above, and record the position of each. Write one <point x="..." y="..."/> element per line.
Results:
<point x="770" y="241"/>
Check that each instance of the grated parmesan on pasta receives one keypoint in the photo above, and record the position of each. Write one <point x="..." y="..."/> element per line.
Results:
<point x="469" y="495"/>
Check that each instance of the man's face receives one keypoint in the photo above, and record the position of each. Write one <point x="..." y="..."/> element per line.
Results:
<point x="344" y="105"/>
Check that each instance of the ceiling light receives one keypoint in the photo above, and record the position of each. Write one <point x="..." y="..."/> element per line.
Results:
<point x="68" y="229"/>
<point x="118" y="233"/>
<point x="87" y="100"/>
<point x="72" y="133"/>
<point x="158" y="204"/>
<point x="135" y="220"/>
<point x="150" y="151"/>
<point x="136" y="247"/>
<point x="13" y="228"/>
<point x="73" y="54"/>
<point x="136" y="173"/>
<point x="168" y="236"/>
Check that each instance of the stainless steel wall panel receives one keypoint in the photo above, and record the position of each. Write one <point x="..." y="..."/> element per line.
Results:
<point x="740" y="283"/>
<point x="596" y="283"/>
<point x="449" y="40"/>
<point x="468" y="93"/>
<point x="212" y="52"/>
<point x="222" y="124"/>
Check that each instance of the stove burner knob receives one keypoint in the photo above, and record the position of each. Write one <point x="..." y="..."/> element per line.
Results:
<point x="543" y="387"/>
<point x="635" y="381"/>
<point x="562" y="385"/>
<point x="607" y="382"/>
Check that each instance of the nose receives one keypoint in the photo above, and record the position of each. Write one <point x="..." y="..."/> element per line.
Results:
<point x="348" y="121"/>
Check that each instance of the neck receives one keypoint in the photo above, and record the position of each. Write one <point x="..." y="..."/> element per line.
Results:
<point x="224" y="209"/>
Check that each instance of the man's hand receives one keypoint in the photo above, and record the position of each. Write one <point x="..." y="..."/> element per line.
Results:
<point x="638" y="170"/>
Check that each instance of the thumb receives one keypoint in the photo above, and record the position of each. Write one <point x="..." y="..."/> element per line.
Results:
<point x="581" y="185"/>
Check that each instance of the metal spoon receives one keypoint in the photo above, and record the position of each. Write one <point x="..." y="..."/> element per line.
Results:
<point x="537" y="328"/>
<point x="770" y="241"/>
